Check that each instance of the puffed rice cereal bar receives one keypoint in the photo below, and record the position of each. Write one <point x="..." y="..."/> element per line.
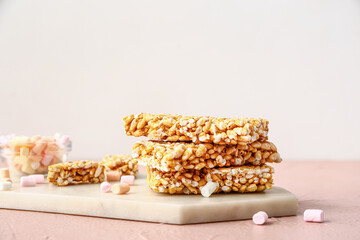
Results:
<point x="168" y="156"/>
<point x="123" y="163"/>
<point x="197" y="129"/>
<point x="231" y="179"/>
<point x="82" y="171"/>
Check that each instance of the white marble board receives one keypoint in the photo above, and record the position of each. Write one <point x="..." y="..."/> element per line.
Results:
<point x="143" y="204"/>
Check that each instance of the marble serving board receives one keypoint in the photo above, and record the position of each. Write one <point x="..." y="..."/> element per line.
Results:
<point x="143" y="204"/>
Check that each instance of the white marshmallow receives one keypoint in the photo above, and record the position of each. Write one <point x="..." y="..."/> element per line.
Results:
<point x="4" y="186"/>
<point x="260" y="218"/>
<point x="314" y="215"/>
<point x="208" y="189"/>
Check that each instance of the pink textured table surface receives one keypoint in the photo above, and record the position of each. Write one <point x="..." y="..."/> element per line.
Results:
<point x="331" y="186"/>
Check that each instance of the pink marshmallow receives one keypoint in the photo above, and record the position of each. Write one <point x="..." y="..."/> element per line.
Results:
<point x="260" y="218"/>
<point x="64" y="140"/>
<point x="39" y="178"/>
<point x="129" y="179"/>
<point x="105" y="187"/>
<point x="27" y="181"/>
<point x="38" y="148"/>
<point x="314" y="215"/>
<point x="46" y="160"/>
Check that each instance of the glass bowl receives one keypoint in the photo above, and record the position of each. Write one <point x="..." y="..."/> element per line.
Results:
<point x="33" y="155"/>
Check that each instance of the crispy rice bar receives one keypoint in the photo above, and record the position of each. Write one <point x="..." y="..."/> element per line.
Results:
<point x="197" y="129"/>
<point x="168" y="156"/>
<point x="82" y="171"/>
<point x="123" y="163"/>
<point x="230" y="179"/>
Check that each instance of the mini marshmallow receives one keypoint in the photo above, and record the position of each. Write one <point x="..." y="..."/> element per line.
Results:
<point x="120" y="188"/>
<point x="208" y="189"/>
<point x="112" y="176"/>
<point x="4" y="173"/>
<point x="65" y="158"/>
<point x="51" y="148"/>
<point x="38" y="148"/>
<point x="4" y="186"/>
<point x="6" y="180"/>
<point x="27" y="181"/>
<point x="17" y="167"/>
<point x="129" y="179"/>
<point x="35" y="165"/>
<point x="260" y="218"/>
<point x="26" y="168"/>
<point x="38" y="178"/>
<point x="5" y="139"/>
<point x="64" y="140"/>
<point x="57" y="136"/>
<point x="105" y="187"/>
<point x="314" y="215"/>
<point x="35" y="158"/>
<point x="47" y="159"/>
<point x="21" y="159"/>
<point x="24" y="151"/>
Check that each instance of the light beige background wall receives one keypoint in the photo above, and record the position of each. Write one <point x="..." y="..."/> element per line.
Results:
<point x="78" y="67"/>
